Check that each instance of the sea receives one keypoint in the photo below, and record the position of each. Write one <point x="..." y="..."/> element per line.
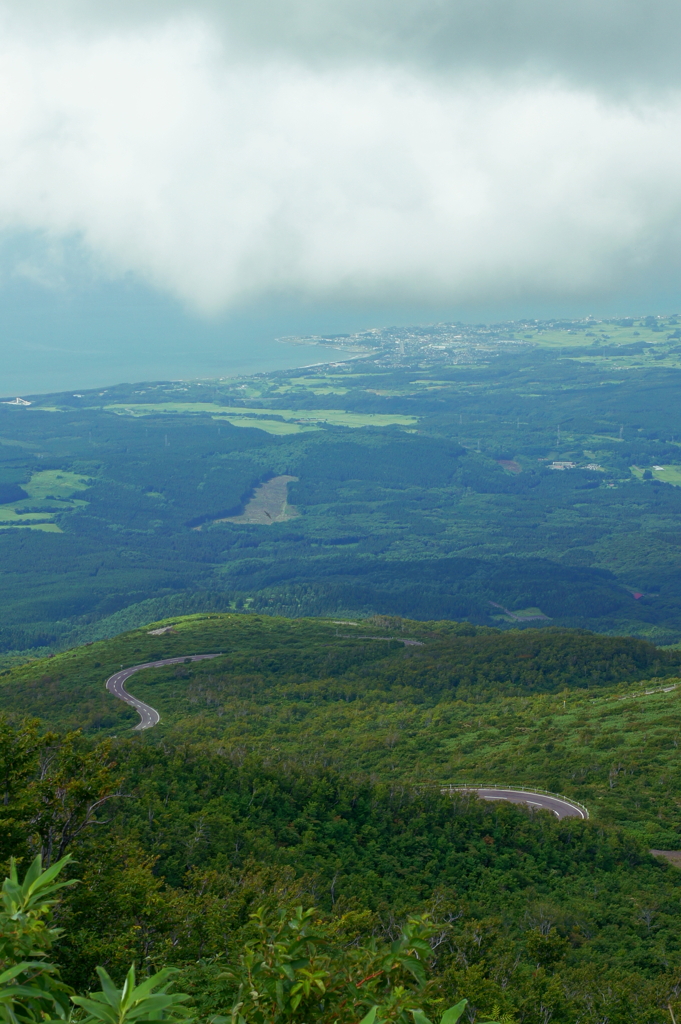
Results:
<point x="55" y="340"/>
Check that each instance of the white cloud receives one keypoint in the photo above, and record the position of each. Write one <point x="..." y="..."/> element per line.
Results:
<point x="614" y="45"/>
<point x="219" y="173"/>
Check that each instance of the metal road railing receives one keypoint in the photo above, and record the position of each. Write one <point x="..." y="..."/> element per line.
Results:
<point x="450" y="787"/>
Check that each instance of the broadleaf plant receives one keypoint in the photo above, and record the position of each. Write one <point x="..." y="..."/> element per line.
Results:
<point x="150" y="1000"/>
<point x="30" y="986"/>
<point x="31" y="991"/>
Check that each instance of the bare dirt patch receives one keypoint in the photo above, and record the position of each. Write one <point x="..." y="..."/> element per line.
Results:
<point x="268" y="505"/>
<point x="521" y="615"/>
<point x="511" y="465"/>
<point x="673" y="856"/>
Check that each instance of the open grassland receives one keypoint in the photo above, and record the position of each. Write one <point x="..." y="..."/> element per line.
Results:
<point x="158" y="408"/>
<point x="640" y="345"/>
<point x="601" y="333"/>
<point x="668" y="474"/>
<point x="52" y="483"/>
<point x="28" y="523"/>
<point x="9" y="515"/>
<point x="49" y="494"/>
<point x="319" y="384"/>
<point x="277" y="428"/>
<point x="241" y="416"/>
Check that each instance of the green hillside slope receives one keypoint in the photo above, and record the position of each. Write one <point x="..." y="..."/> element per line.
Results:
<point x="307" y="765"/>
<point x="419" y="703"/>
<point x="340" y="659"/>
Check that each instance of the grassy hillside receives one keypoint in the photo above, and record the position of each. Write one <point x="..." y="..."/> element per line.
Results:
<point x="448" y="659"/>
<point x="418" y="703"/>
<point x="489" y="709"/>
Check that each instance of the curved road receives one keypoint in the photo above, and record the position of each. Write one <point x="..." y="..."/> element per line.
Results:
<point x="148" y="716"/>
<point x="557" y="805"/>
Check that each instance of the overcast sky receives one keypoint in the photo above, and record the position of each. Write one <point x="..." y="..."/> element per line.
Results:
<point x="443" y="153"/>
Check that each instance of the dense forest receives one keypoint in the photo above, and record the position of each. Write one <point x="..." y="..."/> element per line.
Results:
<point x="530" y="914"/>
<point x="291" y="805"/>
<point x="423" y="491"/>
<point x="200" y="847"/>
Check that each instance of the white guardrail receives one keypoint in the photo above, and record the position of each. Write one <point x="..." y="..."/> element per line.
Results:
<point x="452" y="787"/>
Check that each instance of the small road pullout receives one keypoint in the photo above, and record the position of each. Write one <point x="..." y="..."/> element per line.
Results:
<point x="148" y="716"/>
<point x="559" y="806"/>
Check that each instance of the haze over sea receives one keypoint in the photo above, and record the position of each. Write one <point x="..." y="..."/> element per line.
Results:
<point x="65" y="338"/>
<point x="55" y="340"/>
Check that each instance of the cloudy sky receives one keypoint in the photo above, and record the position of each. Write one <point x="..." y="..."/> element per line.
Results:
<point x="334" y="162"/>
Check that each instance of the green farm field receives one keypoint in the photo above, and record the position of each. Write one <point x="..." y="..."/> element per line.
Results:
<point x="32" y="521"/>
<point x="241" y="416"/>
<point x="50" y="493"/>
<point x="612" y="334"/>
<point x="277" y="428"/>
<point x="668" y="474"/>
<point x="52" y="483"/>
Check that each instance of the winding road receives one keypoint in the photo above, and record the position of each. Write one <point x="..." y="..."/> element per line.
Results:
<point x="148" y="716"/>
<point x="560" y="806"/>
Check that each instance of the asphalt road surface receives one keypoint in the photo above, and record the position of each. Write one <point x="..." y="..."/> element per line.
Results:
<point x="561" y="808"/>
<point x="148" y="716"/>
